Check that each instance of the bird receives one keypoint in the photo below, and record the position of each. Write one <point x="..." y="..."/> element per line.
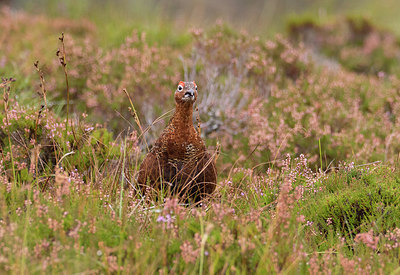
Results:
<point x="178" y="162"/>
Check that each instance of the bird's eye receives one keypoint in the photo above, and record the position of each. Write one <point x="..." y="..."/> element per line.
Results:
<point x="196" y="88"/>
<point x="180" y="88"/>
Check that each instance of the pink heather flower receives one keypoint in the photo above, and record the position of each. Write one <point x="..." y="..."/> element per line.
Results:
<point x="301" y="219"/>
<point x="168" y="218"/>
<point x="188" y="253"/>
<point x="368" y="239"/>
<point x="347" y="264"/>
<point x="161" y="219"/>
<point x="89" y="129"/>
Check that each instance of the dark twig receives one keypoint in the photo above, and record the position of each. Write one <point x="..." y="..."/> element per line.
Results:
<point x="62" y="58"/>
<point x="5" y="84"/>
<point x="42" y="83"/>
<point x="63" y="61"/>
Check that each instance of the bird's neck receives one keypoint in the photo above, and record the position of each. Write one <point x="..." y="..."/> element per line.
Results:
<point x="183" y="116"/>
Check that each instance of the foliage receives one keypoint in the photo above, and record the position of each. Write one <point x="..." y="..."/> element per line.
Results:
<point x="308" y="171"/>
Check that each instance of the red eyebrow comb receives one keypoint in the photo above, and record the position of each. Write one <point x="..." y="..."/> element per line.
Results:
<point x="182" y="83"/>
<point x="194" y="83"/>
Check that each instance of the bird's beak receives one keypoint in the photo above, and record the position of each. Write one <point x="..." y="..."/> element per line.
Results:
<point x="189" y="94"/>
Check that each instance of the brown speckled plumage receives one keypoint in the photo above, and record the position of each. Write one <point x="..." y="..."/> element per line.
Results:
<point x="179" y="159"/>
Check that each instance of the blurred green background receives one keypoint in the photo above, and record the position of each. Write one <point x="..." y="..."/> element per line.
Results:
<point x="261" y="17"/>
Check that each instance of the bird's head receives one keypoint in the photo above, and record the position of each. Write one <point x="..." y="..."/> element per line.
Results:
<point x="186" y="93"/>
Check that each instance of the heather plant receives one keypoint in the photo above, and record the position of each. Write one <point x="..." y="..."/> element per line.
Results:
<point x="235" y="67"/>
<point x="25" y="38"/>
<point x="95" y="74"/>
<point x="271" y="234"/>
<point x="355" y="42"/>
<point x="35" y="141"/>
<point x="99" y="76"/>
<point x="257" y="95"/>
<point x="272" y="103"/>
<point x="313" y="115"/>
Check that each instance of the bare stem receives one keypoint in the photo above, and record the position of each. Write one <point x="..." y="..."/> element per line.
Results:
<point x="135" y="116"/>
<point x="122" y="181"/>
<point x="63" y="61"/>
<point x="6" y="92"/>
<point x="42" y="83"/>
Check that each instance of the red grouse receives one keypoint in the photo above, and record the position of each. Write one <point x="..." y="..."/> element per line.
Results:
<point x="178" y="162"/>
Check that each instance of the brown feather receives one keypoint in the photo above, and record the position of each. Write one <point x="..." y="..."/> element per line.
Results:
<point x="179" y="158"/>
